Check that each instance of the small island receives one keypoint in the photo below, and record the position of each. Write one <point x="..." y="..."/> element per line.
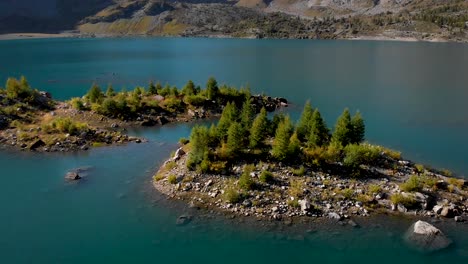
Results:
<point x="31" y="120"/>
<point x="254" y="166"/>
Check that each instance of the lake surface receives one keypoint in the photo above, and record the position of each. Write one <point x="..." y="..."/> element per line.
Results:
<point x="412" y="95"/>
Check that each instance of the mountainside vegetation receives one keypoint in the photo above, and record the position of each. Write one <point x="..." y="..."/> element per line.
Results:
<point x="326" y="19"/>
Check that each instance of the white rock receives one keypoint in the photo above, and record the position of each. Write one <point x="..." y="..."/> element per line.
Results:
<point x="425" y="236"/>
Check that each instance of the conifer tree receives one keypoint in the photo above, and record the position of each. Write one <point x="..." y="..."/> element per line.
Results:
<point x="294" y="146"/>
<point x="304" y="124"/>
<point x="213" y="136"/>
<point x="277" y="119"/>
<point x="235" y="138"/>
<point x="110" y="91"/>
<point x="228" y="116"/>
<point x="95" y="94"/>
<point x="212" y="88"/>
<point x="189" y="88"/>
<point x="281" y="142"/>
<point x="158" y="88"/>
<point x="359" y="128"/>
<point x="247" y="115"/>
<point x="343" y="129"/>
<point x="152" y="90"/>
<point x="199" y="139"/>
<point x="318" y="135"/>
<point x="259" y="129"/>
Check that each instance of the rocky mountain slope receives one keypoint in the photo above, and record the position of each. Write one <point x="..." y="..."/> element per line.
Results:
<point x="330" y="19"/>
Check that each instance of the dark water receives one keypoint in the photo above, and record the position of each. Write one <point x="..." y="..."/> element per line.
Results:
<point x="411" y="94"/>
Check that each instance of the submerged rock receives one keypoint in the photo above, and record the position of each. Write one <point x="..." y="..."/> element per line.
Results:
<point x="427" y="237"/>
<point x="183" y="220"/>
<point x="73" y="176"/>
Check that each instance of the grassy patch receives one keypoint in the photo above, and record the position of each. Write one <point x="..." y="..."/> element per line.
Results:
<point x="266" y="177"/>
<point x="406" y="201"/>
<point x="374" y="189"/>
<point x="296" y="188"/>
<point x="299" y="172"/>
<point x="419" y="168"/>
<point x="413" y="184"/>
<point x="172" y="179"/>
<point x="158" y="177"/>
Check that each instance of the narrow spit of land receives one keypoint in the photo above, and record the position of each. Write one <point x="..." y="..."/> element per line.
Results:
<point x="32" y="120"/>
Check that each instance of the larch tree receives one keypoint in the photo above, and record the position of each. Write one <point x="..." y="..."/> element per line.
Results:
<point x="282" y="138"/>
<point x="359" y="128"/>
<point x="259" y="130"/>
<point x="318" y="134"/>
<point x="343" y="129"/>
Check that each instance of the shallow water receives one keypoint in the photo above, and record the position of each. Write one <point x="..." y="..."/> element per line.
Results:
<point x="411" y="94"/>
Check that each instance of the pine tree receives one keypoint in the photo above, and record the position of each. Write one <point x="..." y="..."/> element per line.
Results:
<point x="228" y="116"/>
<point x="212" y="88"/>
<point x="343" y="129"/>
<point x="235" y="137"/>
<point x="318" y="135"/>
<point x="294" y="146"/>
<point x="359" y="128"/>
<point x="281" y="142"/>
<point x="277" y="119"/>
<point x="189" y="88"/>
<point x="158" y="88"/>
<point x="304" y="124"/>
<point x="95" y="94"/>
<point x="259" y="129"/>
<point x="152" y="90"/>
<point x="213" y="136"/>
<point x="199" y="139"/>
<point x="110" y="91"/>
<point x="247" y="115"/>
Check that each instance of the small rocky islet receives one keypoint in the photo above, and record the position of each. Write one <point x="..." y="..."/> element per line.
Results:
<point x="251" y="166"/>
<point x="32" y="120"/>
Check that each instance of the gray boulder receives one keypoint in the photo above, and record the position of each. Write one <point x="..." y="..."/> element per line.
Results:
<point x="426" y="237"/>
<point x="305" y="205"/>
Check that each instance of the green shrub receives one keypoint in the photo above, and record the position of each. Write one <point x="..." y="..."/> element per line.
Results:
<point x="396" y="155"/>
<point x="172" y="179"/>
<point x="356" y="155"/>
<point x="406" y="201"/>
<point x="456" y="182"/>
<point x="299" y="172"/>
<point x="413" y="184"/>
<point x="446" y="172"/>
<point x="65" y="125"/>
<point x="195" y="100"/>
<point x="266" y="177"/>
<point x="245" y="180"/>
<point x="173" y="104"/>
<point x="293" y="203"/>
<point x="158" y="177"/>
<point x="231" y="195"/>
<point x="374" y="189"/>
<point x="348" y="193"/>
<point x="419" y="168"/>
<point x="183" y="141"/>
<point x="296" y="188"/>
<point x="77" y="103"/>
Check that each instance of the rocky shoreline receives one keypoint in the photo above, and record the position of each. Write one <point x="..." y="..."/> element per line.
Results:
<point x="46" y="125"/>
<point x="323" y="195"/>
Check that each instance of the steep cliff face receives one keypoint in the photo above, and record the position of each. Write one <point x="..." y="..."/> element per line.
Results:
<point x="46" y="15"/>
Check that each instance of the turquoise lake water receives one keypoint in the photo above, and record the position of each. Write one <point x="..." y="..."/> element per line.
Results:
<point x="412" y="95"/>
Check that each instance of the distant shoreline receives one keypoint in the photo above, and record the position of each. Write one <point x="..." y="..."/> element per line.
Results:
<point x="20" y="36"/>
<point x="14" y="36"/>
